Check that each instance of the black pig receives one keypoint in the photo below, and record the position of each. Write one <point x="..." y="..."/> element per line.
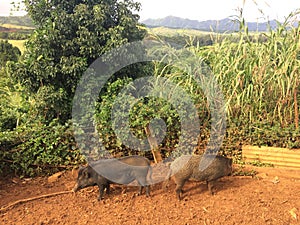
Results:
<point x="121" y="171"/>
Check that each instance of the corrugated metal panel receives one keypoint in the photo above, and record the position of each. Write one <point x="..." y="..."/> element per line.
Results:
<point x="279" y="157"/>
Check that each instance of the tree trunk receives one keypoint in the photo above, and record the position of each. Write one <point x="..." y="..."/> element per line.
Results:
<point x="154" y="146"/>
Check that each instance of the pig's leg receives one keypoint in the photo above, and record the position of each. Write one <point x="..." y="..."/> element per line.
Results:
<point x="210" y="186"/>
<point x="140" y="189"/>
<point x="101" y="191"/>
<point x="179" y="186"/>
<point x="107" y="186"/>
<point x="142" y="181"/>
<point x="147" y="190"/>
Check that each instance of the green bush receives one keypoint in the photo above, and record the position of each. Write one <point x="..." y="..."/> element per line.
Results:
<point x="143" y="111"/>
<point x="37" y="149"/>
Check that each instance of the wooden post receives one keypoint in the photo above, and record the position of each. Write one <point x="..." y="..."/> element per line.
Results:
<point x="154" y="146"/>
<point x="279" y="157"/>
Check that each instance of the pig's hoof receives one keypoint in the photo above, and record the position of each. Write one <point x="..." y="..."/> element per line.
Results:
<point x="212" y="193"/>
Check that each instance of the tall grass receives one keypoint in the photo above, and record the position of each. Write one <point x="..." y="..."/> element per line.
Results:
<point x="260" y="79"/>
<point x="259" y="75"/>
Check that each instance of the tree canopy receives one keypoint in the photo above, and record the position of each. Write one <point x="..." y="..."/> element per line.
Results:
<point x="69" y="36"/>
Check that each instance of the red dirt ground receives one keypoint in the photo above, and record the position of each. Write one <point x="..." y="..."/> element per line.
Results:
<point x="271" y="197"/>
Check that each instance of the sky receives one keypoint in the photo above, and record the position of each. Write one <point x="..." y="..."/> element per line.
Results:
<point x="204" y="9"/>
<point x="5" y="8"/>
<point x="218" y="9"/>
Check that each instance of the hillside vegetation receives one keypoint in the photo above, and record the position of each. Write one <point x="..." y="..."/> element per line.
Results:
<point x="258" y="75"/>
<point x="16" y="28"/>
<point x="22" y="21"/>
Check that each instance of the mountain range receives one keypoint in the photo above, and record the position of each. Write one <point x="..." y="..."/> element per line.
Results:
<point x="224" y="25"/>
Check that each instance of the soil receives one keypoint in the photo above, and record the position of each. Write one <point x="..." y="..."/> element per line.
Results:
<point x="270" y="197"/>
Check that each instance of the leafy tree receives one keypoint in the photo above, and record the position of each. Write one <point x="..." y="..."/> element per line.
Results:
<point x="10" y="96"/>
<point x="69" y="36"/>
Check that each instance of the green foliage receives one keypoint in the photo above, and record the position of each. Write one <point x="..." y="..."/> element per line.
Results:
<point x="16" y="35"/>
<point x="241" y="172"/>
<point x="156" y="100"/>
<point x="142" y="112"/>
<point x="260" y="164"/>
<point x="36" y="148"/>
<point x="260" y="82"/>
<point x="259" y="76"/>
<point x="259" y="79"/>
<point x="69" y="36"/>
<point x="51" y="103"/>
<point x="12" y="104"/>
<point x="67" y="39"/>
<point x="8" y="53"/>
<point x="103" y="116"/>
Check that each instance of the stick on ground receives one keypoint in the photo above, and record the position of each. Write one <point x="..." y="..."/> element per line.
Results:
<point x="33" y="198"/>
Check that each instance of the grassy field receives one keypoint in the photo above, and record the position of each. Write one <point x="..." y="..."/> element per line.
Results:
<point x="18" y="43"/>
<point x="171" y="32"/>
<point x="12" y="26"/>
<point x="165" y="31"/>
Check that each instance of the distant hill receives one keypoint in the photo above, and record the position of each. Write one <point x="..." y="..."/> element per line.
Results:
<point x="170" y="22"/>
<point x="17" y="20"/>
<point x="208" y="25"/>
<point x="16" y="28"/>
